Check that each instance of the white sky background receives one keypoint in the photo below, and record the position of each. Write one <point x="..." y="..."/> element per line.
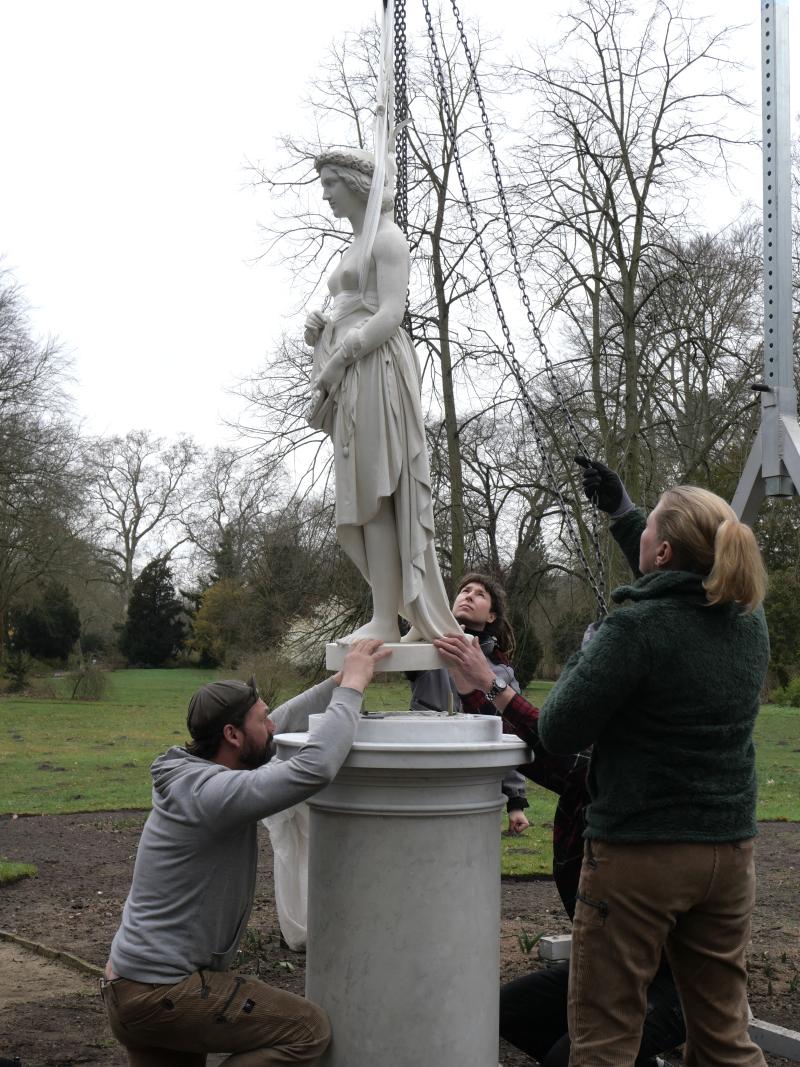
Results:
<point x="125" y="208"/>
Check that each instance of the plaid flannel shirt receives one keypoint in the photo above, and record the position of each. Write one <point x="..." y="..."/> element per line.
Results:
<point x="564" y="775"/>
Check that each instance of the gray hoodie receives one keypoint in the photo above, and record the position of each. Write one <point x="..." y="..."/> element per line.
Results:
<point x="194" y="877"/>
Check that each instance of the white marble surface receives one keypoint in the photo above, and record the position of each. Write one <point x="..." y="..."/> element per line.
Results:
<point x="413" y="729"/>
<point x="404" y="892"/>
<point x="416" y="656"/>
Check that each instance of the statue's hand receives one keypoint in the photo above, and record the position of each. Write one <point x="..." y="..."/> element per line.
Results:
<point x="333" y="371"/>
<point x="346" y="352"/>
<point x="315" y="324"/>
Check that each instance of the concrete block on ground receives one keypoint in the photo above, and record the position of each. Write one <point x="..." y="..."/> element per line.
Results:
<point x="776" y="1040"/>
<point x="555" y="947"/>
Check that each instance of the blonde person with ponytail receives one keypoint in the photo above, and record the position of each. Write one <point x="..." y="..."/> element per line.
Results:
<point x="666" y="692"/>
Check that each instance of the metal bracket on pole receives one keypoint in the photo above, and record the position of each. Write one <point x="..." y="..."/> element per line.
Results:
<point x="773" y="467"/>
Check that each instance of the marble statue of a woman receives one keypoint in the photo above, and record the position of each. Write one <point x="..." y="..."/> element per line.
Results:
<point x="366" y="382"/>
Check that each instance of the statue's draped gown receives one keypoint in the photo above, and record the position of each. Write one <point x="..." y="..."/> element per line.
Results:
<point x="375" y="422"/>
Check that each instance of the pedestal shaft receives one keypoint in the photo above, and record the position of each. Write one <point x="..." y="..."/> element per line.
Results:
<point x="404" y="900"/>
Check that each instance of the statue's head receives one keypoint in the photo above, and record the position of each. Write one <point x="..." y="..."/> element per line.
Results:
<point x="355" y="167"/>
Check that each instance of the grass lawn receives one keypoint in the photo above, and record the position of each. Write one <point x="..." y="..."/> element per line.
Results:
<point x="10" y="871"/>
<point x="59" y="755"/>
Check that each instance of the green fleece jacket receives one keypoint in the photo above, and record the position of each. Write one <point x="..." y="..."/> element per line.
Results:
<point x="667" y="692"/>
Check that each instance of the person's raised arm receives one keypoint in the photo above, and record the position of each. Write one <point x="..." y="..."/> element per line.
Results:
<point x="604" y="487"/>
<point x="232" y="797"/>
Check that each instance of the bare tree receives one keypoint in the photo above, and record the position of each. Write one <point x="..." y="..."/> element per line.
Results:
<point x="139" y="491"/>
<point x="233" y="496"/>
<point x="40" y="485"/>
<point x="633" y="113"/>
<point x="700" y="345"/>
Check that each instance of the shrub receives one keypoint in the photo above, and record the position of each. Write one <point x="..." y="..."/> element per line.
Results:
<point x="268" y="668"/>
<point x="782" y="608"/>
<point x="88" y="682"/>
<point x="17" y="669"/>
<point x="223" y="624"/>
<point x="788" y="694"/>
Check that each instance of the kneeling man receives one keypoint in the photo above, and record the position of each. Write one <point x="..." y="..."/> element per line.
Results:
<point x="168" y="993"/>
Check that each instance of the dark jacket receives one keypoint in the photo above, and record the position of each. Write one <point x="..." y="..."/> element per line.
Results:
<point x="667" y="692"/>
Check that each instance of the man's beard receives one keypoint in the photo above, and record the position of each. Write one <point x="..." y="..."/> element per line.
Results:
<point x="253" y="756"/>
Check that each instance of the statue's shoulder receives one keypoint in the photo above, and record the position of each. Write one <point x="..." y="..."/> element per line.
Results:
<point x="390" y="240"/>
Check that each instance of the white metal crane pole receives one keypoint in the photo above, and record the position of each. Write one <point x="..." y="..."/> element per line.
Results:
<point x="773" y="467"/>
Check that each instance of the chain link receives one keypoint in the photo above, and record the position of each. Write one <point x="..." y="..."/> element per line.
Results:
<point x="596" y="582"/>
<point x="400" y="115"/>
<point x="401" y="137"/>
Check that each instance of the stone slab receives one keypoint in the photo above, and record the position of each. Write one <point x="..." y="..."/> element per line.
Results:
<point x="776" y="1040"/>
<point x="417" y="656"/>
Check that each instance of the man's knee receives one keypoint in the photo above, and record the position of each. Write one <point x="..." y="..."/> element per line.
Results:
<point x="319" y="1031"/>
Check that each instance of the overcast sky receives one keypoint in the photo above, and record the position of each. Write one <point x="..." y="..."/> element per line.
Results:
<point x="125" y="210"/>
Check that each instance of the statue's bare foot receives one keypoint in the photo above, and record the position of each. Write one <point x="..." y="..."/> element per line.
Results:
<point x="412" y="636"/>
<point x="375" y="628"/>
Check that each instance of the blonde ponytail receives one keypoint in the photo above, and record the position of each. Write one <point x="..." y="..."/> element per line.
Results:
<point x="707" y="538"/>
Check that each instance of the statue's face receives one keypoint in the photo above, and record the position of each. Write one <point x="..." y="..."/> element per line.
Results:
<point x="344" y="203"/>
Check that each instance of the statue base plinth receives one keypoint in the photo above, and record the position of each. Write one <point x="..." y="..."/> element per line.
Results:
<point x="415" y="656"/>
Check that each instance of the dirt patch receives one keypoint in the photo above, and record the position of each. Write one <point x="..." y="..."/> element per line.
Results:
<point x="25" y="977"/>
<point x="85" y="864"/>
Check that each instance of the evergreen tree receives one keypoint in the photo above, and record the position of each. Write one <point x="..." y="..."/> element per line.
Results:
<point x="153" y="632"/>
<point x="50" y="628"/>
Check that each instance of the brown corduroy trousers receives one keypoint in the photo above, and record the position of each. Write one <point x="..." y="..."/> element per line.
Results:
<point x="214" y="1011"/>
<point x="692" y="899"/>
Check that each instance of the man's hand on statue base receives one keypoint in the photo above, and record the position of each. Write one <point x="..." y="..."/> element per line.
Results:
<point x="360" y="662"/>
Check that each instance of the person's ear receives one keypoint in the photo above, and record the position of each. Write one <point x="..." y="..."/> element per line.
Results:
<point x="491" y="616"/>
<point x="231" y="734"/>
<point x="664" y="554"/>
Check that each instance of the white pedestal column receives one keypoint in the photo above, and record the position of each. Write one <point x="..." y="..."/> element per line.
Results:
<point x="404" y="892"/>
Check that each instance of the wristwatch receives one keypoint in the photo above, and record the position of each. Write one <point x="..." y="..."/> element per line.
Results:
<point x="497" y="687"/>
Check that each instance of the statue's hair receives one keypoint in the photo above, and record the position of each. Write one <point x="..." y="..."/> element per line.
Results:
<point x="355" y="167"/>
<point x="707" y="538"/>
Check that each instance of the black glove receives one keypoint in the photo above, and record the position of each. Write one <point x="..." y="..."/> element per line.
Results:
<point x="603" y="486"/>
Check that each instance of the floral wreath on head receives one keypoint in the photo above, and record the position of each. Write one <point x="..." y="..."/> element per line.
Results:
<point x="351" y="158"/>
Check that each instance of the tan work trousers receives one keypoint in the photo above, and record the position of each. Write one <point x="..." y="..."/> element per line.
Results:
<point x="214" y="1011"/>
<point x="695" y="901"/>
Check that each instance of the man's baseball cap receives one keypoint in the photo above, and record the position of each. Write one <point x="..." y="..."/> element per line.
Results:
<point x="219" y="703"/>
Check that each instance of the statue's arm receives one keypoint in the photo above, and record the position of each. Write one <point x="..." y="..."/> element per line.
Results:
<point x="392" y="264"/>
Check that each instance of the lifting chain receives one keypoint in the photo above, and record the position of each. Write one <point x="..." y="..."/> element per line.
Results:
<point x="401" y="135"/>
<point x="512" y="242"/>
<point x="400" y="115"/>
<point x="595" y="580"/>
